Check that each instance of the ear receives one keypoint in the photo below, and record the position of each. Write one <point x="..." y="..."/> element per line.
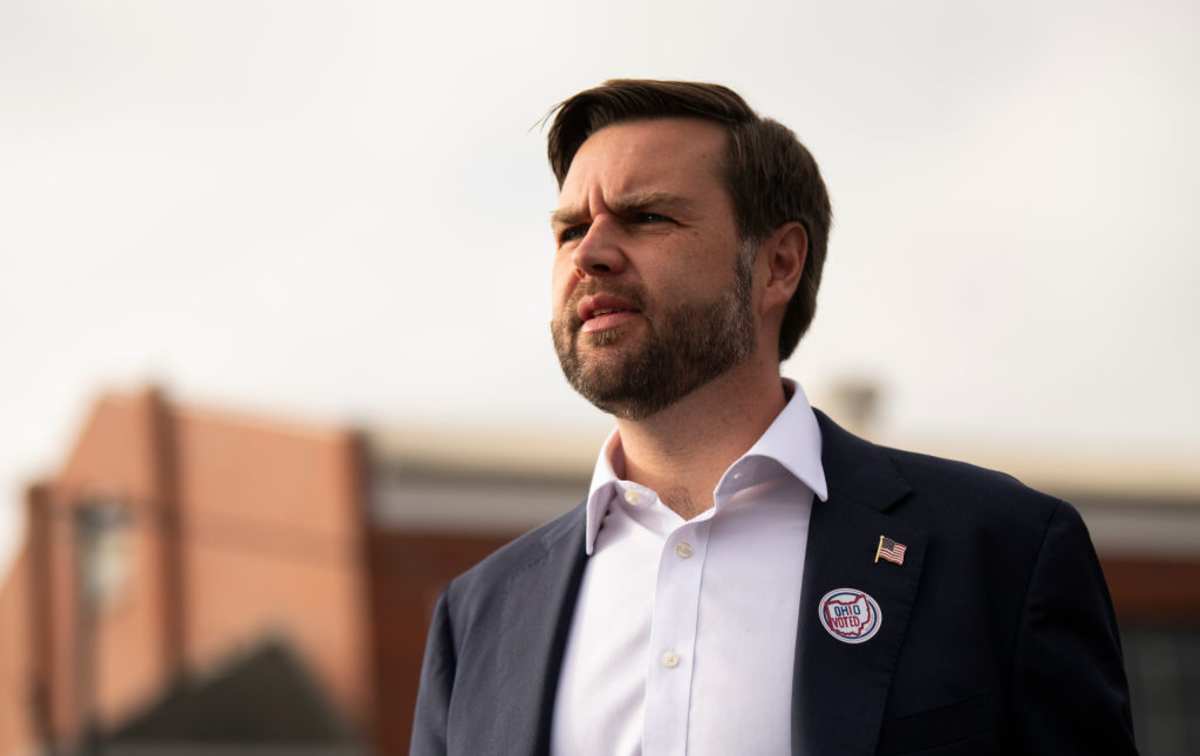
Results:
<point x="785" y="251"/>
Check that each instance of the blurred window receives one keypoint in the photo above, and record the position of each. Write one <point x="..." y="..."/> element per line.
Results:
<point x="1163" y="664"/>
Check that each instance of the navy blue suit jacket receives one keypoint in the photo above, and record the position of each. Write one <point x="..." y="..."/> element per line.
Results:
<point x="998" y="635"/>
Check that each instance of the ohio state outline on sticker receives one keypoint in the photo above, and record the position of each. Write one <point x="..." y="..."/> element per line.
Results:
<point x="850" y="615"/>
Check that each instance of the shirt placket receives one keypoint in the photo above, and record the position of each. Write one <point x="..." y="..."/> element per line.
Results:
<point x="673" y="639"/>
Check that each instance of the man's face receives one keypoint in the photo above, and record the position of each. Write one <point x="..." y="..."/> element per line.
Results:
<point x="652" y="285"/>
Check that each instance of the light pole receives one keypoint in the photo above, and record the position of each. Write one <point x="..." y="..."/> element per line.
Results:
<point x="102" y="564"/>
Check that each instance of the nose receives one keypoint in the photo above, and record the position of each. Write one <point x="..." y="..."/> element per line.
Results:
<point x="599" y="253"/>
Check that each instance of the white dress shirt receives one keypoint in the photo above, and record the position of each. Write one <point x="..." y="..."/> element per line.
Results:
<point x="684" y="634"/>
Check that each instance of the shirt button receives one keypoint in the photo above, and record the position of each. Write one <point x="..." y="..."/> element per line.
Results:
<point x="633" y="497"/>
<point x="670" y="659"/>
<point x="683" y="550"/>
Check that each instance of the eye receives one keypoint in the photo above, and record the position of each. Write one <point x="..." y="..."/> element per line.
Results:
<point x="571" y="233"/>
<point x="650" y="218"/>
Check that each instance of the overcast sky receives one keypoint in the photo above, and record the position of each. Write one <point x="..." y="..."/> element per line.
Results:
<point x="339" y="211"/>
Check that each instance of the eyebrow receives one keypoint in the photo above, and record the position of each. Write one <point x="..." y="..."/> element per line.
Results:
<point x="625" y="205"/>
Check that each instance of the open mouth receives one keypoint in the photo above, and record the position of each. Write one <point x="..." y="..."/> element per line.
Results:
<point x="603" y="311"/>
<point x="604" y="319"/>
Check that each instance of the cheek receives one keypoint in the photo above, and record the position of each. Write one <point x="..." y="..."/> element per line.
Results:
<point x="561" y="279"/>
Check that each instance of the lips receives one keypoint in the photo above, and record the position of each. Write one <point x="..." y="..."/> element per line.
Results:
<point x="602" y="305"/>
<point x="599" y="312"/>
<point x="607" y="321"/>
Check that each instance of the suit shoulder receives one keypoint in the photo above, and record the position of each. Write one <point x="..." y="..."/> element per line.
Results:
<point x="521" y="553"/>
<point x="945" y="494"/>
<point x="986" y="496"/>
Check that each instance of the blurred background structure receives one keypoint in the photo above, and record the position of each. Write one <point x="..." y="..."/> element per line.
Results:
<point x="336" y="215"/>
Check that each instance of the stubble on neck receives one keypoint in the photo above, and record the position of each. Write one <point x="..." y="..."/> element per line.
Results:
<point x="682" y="451"/>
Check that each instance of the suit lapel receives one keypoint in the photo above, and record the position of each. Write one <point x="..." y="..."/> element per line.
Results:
<point x="839" y="688"/>
<point x="539" y="605"/>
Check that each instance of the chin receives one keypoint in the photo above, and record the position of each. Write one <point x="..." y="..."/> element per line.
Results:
<point x="622" y="332"/>
<point x="605" y="338"/>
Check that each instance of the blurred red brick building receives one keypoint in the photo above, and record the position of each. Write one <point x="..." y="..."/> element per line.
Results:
<point x="222" y="531"/>
<point x="174" y="540"/>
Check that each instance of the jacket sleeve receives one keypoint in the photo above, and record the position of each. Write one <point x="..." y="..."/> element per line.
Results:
<point x="437" y="680"/>
<point x="1069" y="693"/>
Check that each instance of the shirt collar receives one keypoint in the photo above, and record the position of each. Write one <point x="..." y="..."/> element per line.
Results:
<point x="793" y="440"/>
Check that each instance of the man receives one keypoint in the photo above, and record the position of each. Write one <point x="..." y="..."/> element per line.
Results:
<point x="745" y="577"/>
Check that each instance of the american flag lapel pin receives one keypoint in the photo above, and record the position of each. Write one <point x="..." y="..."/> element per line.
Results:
<point x="890" y="550"/>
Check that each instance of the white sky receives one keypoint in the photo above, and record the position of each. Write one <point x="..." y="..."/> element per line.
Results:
<point x="339" y="211"/>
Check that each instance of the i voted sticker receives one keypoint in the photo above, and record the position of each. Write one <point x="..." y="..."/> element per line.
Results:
<point x="850" y="615"/>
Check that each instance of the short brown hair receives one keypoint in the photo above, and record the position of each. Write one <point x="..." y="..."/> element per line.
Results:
<point x="771" y="177"/>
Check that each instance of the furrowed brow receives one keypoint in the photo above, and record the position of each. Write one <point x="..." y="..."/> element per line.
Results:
<point x="567" y="216"/>
<point x="651" y="201"/>
<point x="630" y="203"/>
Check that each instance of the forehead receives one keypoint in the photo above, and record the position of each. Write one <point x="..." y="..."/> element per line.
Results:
<point x="679" y="155"/>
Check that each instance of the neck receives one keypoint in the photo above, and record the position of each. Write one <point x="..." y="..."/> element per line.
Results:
<point x="682" y="451"/>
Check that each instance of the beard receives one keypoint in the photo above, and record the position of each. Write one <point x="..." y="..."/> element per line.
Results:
<point x="686" y="346"/>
